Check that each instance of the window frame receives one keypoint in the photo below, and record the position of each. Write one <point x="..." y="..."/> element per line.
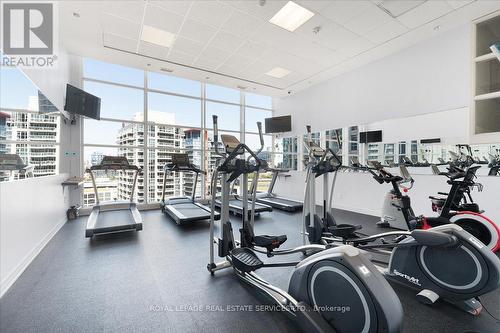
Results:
<point x="28" y="143"/>
<point x="205" y="125"/>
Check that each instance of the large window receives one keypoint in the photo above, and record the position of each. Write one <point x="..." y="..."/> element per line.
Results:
<point x="174" y="110"/>
<point x="219" y="93"/>
<point x="104" y="71"/>
<point x="228" y="115"/>
<point x="168" y="83"/>
<point x="179" y="120"/>
<point x="29" y="126"/>
<point x="117" y="102"/>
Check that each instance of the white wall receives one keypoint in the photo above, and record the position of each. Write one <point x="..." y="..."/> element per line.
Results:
<point x="451" y="126"/>
<point x="359" y="192"/>
<point x="31" y="212"/>
<point x="52" y="81"/>
<point x="428" y="77"/>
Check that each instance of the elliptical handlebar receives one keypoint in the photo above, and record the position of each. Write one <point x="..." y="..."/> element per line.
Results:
<point x="216" y="135"/>
<point x="261" y="137"/>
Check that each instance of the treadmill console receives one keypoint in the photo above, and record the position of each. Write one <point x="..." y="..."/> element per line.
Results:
<point x="180" y="162"/>
<point x="180" y="159"/>
<point x="114" y="163"/>
<point x="11" y="162"/>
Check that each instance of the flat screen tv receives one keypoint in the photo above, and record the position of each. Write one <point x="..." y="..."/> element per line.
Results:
<point x="278" y="124"/>
<point x="370" y="137"/>
<point x="82" y="103"/>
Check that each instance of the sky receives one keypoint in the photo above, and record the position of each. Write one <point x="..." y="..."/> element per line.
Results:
<point x="124" y="103"/>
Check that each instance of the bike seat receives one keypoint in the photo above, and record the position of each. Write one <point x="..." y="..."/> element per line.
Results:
<point x="269" y="242"/>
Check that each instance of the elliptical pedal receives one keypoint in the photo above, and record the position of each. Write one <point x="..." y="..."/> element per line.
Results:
<point x="245" y="260"/>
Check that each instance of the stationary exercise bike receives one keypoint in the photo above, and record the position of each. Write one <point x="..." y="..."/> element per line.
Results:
<point x="335" y="290"/>
<point x="442" y="262"/>
<point x="454" y="208"/>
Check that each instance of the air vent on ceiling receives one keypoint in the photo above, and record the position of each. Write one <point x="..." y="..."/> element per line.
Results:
<point x="168" y="70"/>
<point x="396" y="8"/>
<point x="241" y="87"/>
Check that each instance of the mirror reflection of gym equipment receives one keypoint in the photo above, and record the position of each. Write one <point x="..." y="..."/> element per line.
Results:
<point x="251" y="166"/>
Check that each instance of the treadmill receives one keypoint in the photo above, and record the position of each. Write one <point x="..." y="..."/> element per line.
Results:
<point x="11" y="164"/>
<point x="184" y="209"/>
<point x="273" y="200"/>
<point x="236" y="206"/>
<point x="115" y="216"/>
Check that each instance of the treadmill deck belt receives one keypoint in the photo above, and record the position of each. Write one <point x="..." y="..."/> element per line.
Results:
<point x="282" y="201"/>
<point x="191" y="210"/>
<point x="113" y="218"/>
<point x="236" y="205"/>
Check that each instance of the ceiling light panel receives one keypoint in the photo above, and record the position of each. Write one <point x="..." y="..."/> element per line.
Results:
<point x="278" y="72"/>
<point x="157" y="36"/>
<point x="291" y="16"/>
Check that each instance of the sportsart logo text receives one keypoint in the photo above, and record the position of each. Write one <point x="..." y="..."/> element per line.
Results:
<point x="411" y="279"/>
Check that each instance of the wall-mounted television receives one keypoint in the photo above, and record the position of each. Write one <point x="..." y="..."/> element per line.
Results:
<point x="434" y="140"/>
<point x="278" y="124"/>
<point x="82" y="103"/>
<point x="370" y="137"/>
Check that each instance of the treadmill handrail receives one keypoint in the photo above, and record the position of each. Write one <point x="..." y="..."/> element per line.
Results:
<point x="182" y="168"/>
<point x="170" y="167"/>
<point x="116" y="167"/>
<point x="109" y="162"/>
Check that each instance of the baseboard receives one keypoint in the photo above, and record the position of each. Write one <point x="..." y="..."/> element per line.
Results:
<point x="358" y="210"/>
<point x="7" y="282"/>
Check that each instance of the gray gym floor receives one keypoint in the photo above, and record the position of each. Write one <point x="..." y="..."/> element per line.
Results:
<point x="156" y="280"/>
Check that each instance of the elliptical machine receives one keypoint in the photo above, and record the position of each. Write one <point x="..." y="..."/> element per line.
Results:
<point x="454" y="208"/>
<point x="335" y="290"/>
<point x="321" y="162"/>
<point x="443" y="262"/>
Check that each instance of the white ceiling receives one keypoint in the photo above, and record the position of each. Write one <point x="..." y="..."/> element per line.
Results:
<point x="235" y="39"/>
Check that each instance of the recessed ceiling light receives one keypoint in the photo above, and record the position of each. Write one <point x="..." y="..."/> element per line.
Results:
<point x="157" y="36"/>
<point x="437" y="27"/>
<point x="278" y="72"/>
<point x="291" y="16"/>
